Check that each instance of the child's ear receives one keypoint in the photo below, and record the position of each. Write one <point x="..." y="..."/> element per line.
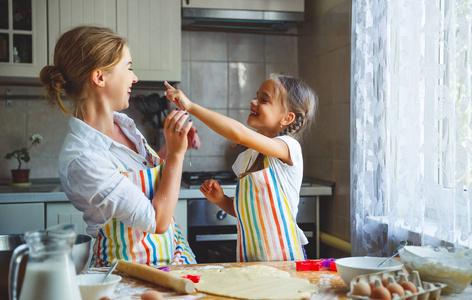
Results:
<point x="97" y="78"/>
<point x="288" y="119"/>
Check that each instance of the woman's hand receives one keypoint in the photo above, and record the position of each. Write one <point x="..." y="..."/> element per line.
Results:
<point x="212" y="190"/>
<point x="177" y="96"/>
<point x="175" y="132"/>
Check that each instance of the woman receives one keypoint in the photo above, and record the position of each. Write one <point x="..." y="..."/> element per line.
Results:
<point x="107" y="169"/>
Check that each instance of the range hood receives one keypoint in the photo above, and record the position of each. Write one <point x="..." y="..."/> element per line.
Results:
<point x="265" y="16"/>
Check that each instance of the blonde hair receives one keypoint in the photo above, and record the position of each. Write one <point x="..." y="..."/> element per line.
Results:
<point x="78" y="52"/>
<point x="298" y="98"/>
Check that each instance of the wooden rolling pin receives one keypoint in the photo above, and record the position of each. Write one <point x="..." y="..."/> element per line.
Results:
<point x="156" y="276"/>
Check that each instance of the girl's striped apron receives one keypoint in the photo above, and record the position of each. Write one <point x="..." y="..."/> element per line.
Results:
<point x="267" y="230"/>
<point x="116" y="240"/>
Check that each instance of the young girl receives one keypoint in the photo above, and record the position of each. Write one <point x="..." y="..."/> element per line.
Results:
<point x="270" y="172"/>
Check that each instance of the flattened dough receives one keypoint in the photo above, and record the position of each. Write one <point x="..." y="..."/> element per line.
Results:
<point x="253" y="282"/>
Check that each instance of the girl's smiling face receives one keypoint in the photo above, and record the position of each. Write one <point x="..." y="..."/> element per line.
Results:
<point x="120" y="80"/>
<point x="267" y="110"/>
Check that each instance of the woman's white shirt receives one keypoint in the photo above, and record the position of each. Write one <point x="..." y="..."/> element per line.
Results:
<point x="90" y="166"/>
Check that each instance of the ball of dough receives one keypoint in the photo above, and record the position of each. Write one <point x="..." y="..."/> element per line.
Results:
<point x="151" y="295"/>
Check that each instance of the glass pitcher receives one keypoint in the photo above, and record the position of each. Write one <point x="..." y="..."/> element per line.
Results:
<point x="50" y="272"/>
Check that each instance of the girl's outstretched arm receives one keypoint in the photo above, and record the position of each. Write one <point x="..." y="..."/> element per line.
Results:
<point x="231" y="129"/>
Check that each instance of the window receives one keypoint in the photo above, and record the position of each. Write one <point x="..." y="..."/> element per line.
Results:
<point x="412" y="123"/>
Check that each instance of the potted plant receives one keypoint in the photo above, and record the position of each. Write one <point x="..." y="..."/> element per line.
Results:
<point x="19" y="175"/>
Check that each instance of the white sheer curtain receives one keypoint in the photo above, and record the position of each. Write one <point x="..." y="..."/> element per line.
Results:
<point x="411" y="124"/>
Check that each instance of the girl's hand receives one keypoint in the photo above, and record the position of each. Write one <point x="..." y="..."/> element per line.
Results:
<point x="193" y="139"/>
<point x="212" y="190"/>
<point x="176" y="131"/>
<point x="177" y="96"/>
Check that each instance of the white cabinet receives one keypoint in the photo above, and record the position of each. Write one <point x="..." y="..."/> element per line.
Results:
<point x="66" y="14"/>
<point x="18" y="218"/>
<point x="64" y="213"/>
<point x="23" y="36"/>
<point x="151" y="27"/>
<point x="153" y="31"/>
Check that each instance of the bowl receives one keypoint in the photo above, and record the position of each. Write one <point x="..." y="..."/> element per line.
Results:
<point x="350" y="267"/>
<point x="440" y="265"/>
<point x="92" y="288"/>
<point x="82" y="252"/>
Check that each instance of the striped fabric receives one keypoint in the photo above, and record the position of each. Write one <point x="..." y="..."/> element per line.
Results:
<point x="116" y="240"/>
<point x="266" y="228"/>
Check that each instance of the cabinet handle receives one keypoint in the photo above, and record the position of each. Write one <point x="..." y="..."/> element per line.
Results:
<point x="215" y="237"/>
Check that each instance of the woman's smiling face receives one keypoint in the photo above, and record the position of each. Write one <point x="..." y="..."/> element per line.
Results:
<point x="119" y="81"/>
<point x="267" y="109"/>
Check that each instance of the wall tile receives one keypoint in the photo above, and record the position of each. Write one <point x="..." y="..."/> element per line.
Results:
<point x="341" y="85"/>
<point x="212" y="143"/>
<point x="186" y="45"/>
<point x="282" y="68"/>
<point x="341" y="115"/>
<point x="185" y="85"/>
<point x="281" y="49"/>
<point x="317" y="167"/>
<point x="51" y="123"/>
<point x="208" y="46"/>
<point x="341" y="172"/>
<point x="244" y="81"/>
<point x="327" y="29"/>
<point x="44" y="167"/>
<point x="245" y="48"/>
<point x="12" y="133"/>
<point x="209" y="84"/>
<point x="195" y="162"/>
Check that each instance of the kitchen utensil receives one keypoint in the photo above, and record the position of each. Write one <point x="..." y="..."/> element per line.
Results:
<point x="113" y="266"/>
<point x="402" y="244"/>
<point x="92" y="287"/>
<point x="82" y="252"/>
<point x="350" y="267"/>
<point x="156" y="276"/>
<point x="50" y="272"/>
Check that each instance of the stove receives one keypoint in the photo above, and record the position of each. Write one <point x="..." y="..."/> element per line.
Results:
<point x="195" y="179"/>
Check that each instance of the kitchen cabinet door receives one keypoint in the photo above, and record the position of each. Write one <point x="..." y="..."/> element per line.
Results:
<point x="66" y="14"/>
<point x="23" y="36"/>
<point x="64" y="213"/>
<point x="21" y="217"/>
<point x="153" y="31"/>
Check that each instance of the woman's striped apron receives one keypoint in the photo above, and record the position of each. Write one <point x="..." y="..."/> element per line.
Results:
<point x="116" y="240"/>
<point x="267" y="230"/>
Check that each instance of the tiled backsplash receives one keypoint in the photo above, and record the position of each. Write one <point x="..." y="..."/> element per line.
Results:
<point x="219" y="70"/>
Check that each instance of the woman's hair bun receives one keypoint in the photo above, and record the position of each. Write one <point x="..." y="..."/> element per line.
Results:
<point x="52" y="79"/>
<point x="54" y="82"/>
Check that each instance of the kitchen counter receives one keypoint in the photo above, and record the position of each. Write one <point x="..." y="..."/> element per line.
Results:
<point x="330" y="283"/>
<point x="49" y="191"/>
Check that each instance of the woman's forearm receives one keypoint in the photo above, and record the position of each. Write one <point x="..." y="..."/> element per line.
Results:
<point x="166" y="197"/>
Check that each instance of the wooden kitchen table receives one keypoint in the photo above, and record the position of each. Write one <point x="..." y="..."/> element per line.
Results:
<point x="330" y="283"/>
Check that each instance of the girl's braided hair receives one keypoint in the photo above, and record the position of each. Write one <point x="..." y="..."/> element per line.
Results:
<point x="301" y="100"/>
